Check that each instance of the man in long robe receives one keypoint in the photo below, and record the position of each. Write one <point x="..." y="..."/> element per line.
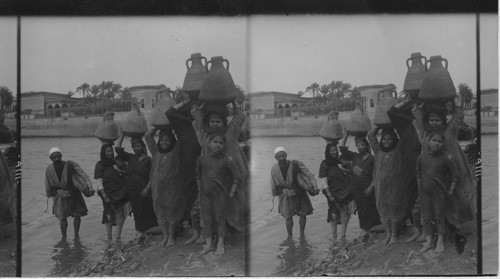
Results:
<point x="68" y="199"/>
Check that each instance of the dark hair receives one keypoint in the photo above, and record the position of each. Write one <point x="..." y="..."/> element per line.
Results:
<point x="173" y="140"/>
<point x="141" y="142"/>
<point x="214" y="135"/>
<point x="395" y="139"/>
<point x="433" y="108"/>
<point x="104" y="160"/>
<point x="437" y="133"/>
<point x="329" y="161"/>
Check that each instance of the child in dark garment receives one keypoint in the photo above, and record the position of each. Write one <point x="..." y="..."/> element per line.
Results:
<point x="433" y="177"/>
<point x="218" y="179"/>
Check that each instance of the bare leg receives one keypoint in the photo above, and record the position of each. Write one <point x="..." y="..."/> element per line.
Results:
<point x="76" y="224"/>
<point x="196" y="235"/>
<point x="63" y="223"/>
<point x="109" y="231"/>
<point x="220" y="246"/>
<point x="427" y="244"/>
<point x="387" y="227"/>
<point x="165" y="231"/>
<point x="119" y="226"/>
<point x="440" y="244"/>
<point x="394" y="230"/>
<point x="289" y="226"/>
<point x="302" y="224"/>
<point x="334" y="230"/>
<point x="171" y="232"/>
<point x="207" y="247"/>
<point x="343" y="229"/>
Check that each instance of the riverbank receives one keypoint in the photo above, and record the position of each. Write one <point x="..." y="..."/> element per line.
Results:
<point x="373" y="258"/>
<point x="150" y="259"/>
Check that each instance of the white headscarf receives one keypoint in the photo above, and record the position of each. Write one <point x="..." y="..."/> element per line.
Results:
<point x="279" y="149"/>
<point x="54" y="149"/>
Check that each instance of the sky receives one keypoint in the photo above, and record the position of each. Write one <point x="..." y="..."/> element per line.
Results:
<point x="266" y="53"/>
<point x="8" y="53"/>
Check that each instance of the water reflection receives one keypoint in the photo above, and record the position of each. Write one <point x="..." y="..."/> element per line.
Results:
<point x="292" y="255"/>
<point x="65" y="256"/>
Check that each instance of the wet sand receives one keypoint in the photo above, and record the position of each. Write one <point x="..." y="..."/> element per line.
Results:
<point x="150" y="259"/>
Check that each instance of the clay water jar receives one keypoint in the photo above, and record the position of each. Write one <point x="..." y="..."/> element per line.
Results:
<point x="415" y="74"/>
<point x="386" y="99"/>
<point x="195" y="75"/>
<point x="163" y="102"/>
<point x="218" y="86"/>
<point x="107" y="131"/>
<point x="135" y="125"/>
<point x="332" y="129"/>
<point x="437" y="85"/>
<point x="359" y="123"/>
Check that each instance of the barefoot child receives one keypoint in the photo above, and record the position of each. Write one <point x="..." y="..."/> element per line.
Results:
<point x="218" y="179"/>
<point x="433" y="176"/>
<point x="389" y="176"/>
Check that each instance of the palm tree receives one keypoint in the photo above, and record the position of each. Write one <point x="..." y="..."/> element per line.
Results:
<point x="115" y="89"/>
<point x="325" y="90"/>
<point x="465" y="93"/>
<point x="94" y="90"/>
<point x="355" y="93"/>
<point x="83" y="88"/>
<point x="313" y="88"/>
<point x="343" y="89"/>
<point x="6" y="97"/>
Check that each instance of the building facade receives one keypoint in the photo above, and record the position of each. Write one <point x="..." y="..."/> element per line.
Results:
<point x="47" y="103"/>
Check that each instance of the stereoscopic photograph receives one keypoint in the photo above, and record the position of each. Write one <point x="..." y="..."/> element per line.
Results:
<point x="260" y="145"/>
<point x="364" y="148"/>
<point x="134" y="132"/>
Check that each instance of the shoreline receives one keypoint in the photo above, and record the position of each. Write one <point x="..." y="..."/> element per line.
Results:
<point x="150" y="259"/>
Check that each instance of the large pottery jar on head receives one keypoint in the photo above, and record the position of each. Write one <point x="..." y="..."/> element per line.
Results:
<point x="135" y="125"/>
<point x="415" y="74"/>
<point x="195" y="75"/>
<point x="332" y="129"/>
<point x="163" y="102"/>
<point x="386" y="99"/>
<point x="107" y="131"/>
<point x="437" y="85"/>
<point x="218" y="86"/>
<point x="359" y="123"/>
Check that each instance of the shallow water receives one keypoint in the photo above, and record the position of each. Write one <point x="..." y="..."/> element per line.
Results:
<point x="43" y="254"/>
<point x="272" y="254"/>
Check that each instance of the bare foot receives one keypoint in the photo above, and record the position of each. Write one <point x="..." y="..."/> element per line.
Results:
<point x="164" y="242"/>
<point x="386" y="239"/>
<point x="170" y="242"/>
<point x="427" y="246"/>
<point x="192" y="239"/>
<point x="206" y="248"/>
<point x="439" y="248"/>
<point x="201" y="240"/>
<point x="220" y="250"/>
<point x="414" y="237"/>
<point x="421" y="238"/>
<point x="394" y="240"/>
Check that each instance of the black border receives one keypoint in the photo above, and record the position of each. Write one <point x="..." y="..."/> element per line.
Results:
<point x="239" y="7"/>
<point x="242" y="7"/>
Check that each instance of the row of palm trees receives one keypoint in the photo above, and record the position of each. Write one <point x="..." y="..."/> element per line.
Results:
<point x="93" y="94"/>
<point x="328" y="93"/>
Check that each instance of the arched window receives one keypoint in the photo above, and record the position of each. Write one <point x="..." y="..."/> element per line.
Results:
<point x="288" y="111"/>
<point x="372" y="103"/>
<point x="50" y="111"/>
<point x="57" y="110"/>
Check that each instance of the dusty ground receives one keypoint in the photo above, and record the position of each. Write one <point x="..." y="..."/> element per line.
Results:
<point x="373" y="258"/>
<point x="150" y="259"/>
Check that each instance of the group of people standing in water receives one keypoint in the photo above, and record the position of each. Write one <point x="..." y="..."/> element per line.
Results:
<point x="196" y="174"/>
<point x="416" y="172"/>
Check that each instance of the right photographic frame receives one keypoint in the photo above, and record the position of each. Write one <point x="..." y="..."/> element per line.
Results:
<point x="368" y="156"/>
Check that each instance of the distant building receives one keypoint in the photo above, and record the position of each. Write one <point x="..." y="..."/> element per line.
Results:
<point x="145" y="95"/>
<point x="489" y="97"/>
<point x="47" y="103"/>
<point x="275" y="102"/>
<point x="370" y="94"/>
